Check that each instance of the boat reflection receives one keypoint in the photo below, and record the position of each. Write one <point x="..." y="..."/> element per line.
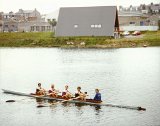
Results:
<point x="51" y="103"/>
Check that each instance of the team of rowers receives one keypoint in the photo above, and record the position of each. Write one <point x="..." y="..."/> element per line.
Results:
<point x="66" y="94"/>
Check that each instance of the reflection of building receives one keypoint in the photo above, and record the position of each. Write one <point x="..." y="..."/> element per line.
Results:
<point x="24" y="20"/>
<point x="88" y="21"/>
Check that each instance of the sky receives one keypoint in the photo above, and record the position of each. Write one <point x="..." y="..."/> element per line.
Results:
<point x="48" y="6"/>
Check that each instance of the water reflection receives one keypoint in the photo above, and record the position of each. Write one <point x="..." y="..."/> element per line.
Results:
<point x="52" y="104"/>
<point x="127" y="76"/>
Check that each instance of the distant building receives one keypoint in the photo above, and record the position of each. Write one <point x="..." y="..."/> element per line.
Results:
<point x="28" y="15"/>
<point x="143" y="17"/>
<point x="24" y="21"/>
<point x="87" y="21"/>
<point x="155" y="8"/>
<point x="132" y="19"/>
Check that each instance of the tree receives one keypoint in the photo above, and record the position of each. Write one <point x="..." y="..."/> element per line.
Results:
<point x="143" y="7"/>
<point x="53" y="23"/>
<point x="120" y="8"/>
<point x="159" y="24"/>
<point x="149" y="10"/>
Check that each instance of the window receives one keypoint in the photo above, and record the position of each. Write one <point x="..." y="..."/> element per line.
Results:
<point x="48" y="28"/>
<point x="32" y="28"/>
<point x="92" y="26"/>
<point x="37" y="28"/>
<point x="96" y="26"/>
<point x="131" y="22"/>
<point x="42" y="28"/>
<point x="75" y="26"/>
<point x="99" y="26"/>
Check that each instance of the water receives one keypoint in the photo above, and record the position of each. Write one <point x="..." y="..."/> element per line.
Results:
<point x="128" y="76"/>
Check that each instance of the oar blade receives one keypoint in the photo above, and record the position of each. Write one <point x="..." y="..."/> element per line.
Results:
<point x="10" y="101"/>
<point x="40" y="106"/>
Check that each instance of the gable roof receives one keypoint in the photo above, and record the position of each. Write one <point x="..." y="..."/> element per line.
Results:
<point x="84" y="17"/>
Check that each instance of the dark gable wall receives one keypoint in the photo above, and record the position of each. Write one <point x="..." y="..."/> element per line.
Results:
<point x="87" y="21"/>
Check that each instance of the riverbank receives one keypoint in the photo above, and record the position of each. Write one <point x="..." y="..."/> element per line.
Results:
<point x="47" y="39"/>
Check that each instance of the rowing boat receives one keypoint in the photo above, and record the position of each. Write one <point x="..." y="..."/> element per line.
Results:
<point x="87" y="102"/>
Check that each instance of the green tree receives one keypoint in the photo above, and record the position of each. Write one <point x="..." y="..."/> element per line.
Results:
<point x="159" y="24"/>
<point x="143" y="7"/>
<point x="53" y="23"/>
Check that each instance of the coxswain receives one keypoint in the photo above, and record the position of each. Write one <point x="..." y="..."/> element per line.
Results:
<point x="97" y="96"/>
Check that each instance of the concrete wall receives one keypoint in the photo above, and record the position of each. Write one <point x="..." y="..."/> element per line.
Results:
<point x="125" y="20"/>
<point x="138" y="28"/>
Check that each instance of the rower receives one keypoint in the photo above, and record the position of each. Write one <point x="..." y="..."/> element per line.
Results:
<point x="80" y="95"/>
<point x="52" y="89"/>
<point x="66" y="94"/>
<point x="40" y="90"/>
<point x="97" y="96"/>
<point x="78" y="92"/>
<point x="53" y="92"/>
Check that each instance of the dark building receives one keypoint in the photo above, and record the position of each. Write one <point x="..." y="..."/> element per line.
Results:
<point x="87" y="21"/>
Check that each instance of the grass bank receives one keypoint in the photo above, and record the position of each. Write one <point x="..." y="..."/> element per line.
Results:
<point x="47" y="39"/>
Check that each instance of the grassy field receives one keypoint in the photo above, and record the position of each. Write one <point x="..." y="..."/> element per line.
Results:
<point x="47" y="39"/>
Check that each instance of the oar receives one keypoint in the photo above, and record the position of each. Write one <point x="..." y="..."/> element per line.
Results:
<point x="40" y="106"/>
<point x="14" y="100"/>
<point x="66" y="100"/>
<point x="10" y="101"/>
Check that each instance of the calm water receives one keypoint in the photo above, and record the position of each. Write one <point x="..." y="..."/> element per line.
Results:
<point x="128" y="76"/>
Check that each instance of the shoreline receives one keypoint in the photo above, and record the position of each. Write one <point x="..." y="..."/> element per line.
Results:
<point x="40" y="47"/>
<point x="47" y="40"/>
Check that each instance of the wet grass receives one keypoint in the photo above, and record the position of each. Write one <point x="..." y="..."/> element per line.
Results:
<point x="47" y="39"/>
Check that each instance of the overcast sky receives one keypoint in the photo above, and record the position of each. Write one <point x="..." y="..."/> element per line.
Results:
<point x="47" y="6"/>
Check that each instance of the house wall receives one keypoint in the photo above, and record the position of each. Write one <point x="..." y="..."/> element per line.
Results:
<point x="150" y="20"/>
<point x="132" y="20"/>
<point x="10" y="26"/>
<point x="34" y="27"/>
<point x="138" y="28"/>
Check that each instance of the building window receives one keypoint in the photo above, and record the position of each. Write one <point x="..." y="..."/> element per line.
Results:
<point x="96" y="26"/>
<point x="99" y="26"/>
<point x="92" y="26"/>
<point x="75" y="26"/>
<point x="42" y="28"/>
<point x="32" y="28"/>
<point x="131" y="22"/>
<point x="37" y="28"/>
<point x="48" y="28"/>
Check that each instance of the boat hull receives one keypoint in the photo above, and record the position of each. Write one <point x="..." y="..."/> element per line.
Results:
<point x="73" y="101"/>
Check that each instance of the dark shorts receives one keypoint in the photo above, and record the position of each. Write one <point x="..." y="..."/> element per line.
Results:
<point x="63" y="93"/>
